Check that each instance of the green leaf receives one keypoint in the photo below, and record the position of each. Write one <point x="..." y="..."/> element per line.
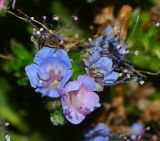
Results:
<point x="23" y="81"/>
<point x="77" y="65"/>
<point x="19" y="51"/>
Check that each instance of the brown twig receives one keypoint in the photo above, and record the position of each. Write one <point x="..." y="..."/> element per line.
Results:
<point x="6" y="57"/>
<point x="121" y="23"/>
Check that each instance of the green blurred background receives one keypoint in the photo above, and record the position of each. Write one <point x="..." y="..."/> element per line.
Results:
<point x="25" y="110"/>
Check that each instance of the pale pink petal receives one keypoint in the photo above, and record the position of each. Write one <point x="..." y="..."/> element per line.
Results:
<point x="89" y="99"/>
<point x="71" y="114"/>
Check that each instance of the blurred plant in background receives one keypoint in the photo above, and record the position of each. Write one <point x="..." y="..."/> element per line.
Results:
<point x="126" y="108"/>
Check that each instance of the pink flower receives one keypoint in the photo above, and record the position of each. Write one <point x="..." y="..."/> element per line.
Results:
<point x="79" y="100"/>
<point x="1" y="4"/>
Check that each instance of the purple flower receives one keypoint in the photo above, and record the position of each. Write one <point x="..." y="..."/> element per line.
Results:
<point x="78" y="99"/>
<point x="99" y="133"/>
<point x="51" y="71"/>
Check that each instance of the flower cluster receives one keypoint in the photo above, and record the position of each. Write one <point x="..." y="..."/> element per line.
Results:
<point x="52" y="71"/>
<point x="49" y="76"/>
<point x="105" y="62"/>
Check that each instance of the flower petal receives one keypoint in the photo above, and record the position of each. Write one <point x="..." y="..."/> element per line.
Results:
<point x="72" y="86"/>
<point x="101" y="127"/>
<point x="97" y="42"/>
<point x="86" y="62"/>
<point x="111" y="78"/>
<point x="48" y="92"/>
<point x="63" y="56"/>
<point x="95" y="57"/>
<point x="31" y="71"/>
<point x="76" y="117"/>
<point x="89" y="99"/>
<point x="103" y="63"/>
<point x="51" y="64"/>
<point x="45" y="52"/>
<point x="100" y="138"/>
<point x="53" y="93"/>
<point x="88" y="82"/>
<point x="66" y="77"/>
<point x="109" y="31"/>
<point x="72" y="115"/>
<point x="123" y="49"/>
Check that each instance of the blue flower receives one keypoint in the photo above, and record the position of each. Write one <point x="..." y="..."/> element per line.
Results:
<point x="105" y="59"/>
<point x="51" y="71"/>
<point x="99" y="133"/>
<point x="100" y="68"/>
<point x="110" y="45"/>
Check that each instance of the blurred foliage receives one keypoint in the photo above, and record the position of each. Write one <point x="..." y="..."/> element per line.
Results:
<point x="24" y="109"/>
<point x="145" y="41"/>
<point x="19" y="58"/>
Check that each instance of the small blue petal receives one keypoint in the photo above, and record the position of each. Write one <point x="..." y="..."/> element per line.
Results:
<point x="97" y="42"/>
<point x="31" y="72"/>
<point x="109" y="31"/>
<point x="63" y="56"/>
<point x="99" y="138"/>
<point x="66" y="77"/>
<point x="48" y="92"/>
<point x="45" y="52"/>
<point x="103" y="63"/>
<point x="87" y="70"/>
<point x="101" y="127"/>
<point x="86" y="62"/>
<point x="112" y="77"/>
<point x="95" y="57"/>
<point x="53" y="93"/>
<point x="122" y="49"/>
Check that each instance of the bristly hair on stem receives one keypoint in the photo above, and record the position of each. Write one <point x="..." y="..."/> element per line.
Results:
<point x="45" y="36"/>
